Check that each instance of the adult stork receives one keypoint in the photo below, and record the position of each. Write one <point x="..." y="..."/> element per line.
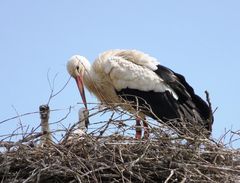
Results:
<point x="141" y="86"/>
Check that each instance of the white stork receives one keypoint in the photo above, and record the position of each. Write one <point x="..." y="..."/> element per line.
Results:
<point x="142" y="86"/>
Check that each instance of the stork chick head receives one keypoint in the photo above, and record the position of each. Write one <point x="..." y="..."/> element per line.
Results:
<point x="76" y="67"/>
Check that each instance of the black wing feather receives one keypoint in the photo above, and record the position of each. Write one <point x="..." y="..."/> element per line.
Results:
<point x="189" y="106"/>
<point x="160" y="104"/>
<point x="183" y="89"/>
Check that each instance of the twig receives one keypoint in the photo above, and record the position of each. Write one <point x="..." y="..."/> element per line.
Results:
<point x="20" y="121"/>
<point x="18" y="116"/>
<point x="51" y="85"/>
<point x="170" y="176"/>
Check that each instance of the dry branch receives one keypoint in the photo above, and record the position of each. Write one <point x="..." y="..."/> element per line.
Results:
<point x="118" y="158"/>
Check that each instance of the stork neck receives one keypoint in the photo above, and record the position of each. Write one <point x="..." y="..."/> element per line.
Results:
<point x="87" y="76"/>
<point x="82" y="124"/>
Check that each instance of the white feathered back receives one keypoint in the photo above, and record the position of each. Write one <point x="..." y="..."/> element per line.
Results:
<point x="131" y="69"/>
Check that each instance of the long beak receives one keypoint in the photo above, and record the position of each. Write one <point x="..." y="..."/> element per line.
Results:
<point x="81" y="89"/>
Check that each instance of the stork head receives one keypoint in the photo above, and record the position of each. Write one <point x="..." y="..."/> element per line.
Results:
<point x="76" y="66"/>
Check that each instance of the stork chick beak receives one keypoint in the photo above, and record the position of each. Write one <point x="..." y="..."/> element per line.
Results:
<point x="81" y="89"/>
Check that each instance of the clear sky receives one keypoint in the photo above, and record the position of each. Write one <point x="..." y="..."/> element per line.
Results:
<point x="199" y="39"/>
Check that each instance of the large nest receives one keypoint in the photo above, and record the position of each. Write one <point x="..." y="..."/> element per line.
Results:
<point x="116" y="157"/>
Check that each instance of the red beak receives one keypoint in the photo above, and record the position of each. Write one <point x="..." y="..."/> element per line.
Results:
<point x="81" y="89"/>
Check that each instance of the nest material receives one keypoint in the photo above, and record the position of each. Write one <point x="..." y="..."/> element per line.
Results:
<point x="121" y="159"/>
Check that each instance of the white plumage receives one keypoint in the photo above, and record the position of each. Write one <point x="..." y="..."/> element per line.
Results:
<point x="125" y="74"/>
<point x="122" y="75"/>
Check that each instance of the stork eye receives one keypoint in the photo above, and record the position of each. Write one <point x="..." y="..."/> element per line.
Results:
<point x="77" y="68"/>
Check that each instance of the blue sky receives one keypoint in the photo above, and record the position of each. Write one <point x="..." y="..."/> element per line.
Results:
<point x="199" y="39"/>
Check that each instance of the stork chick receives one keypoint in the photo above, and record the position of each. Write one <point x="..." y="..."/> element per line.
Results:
<point x="82" y="126"/>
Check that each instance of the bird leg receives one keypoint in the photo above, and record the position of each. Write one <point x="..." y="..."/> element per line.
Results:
<point x="139" y="128"/>
<point x="138" y="134"/>
<point x="146" y="129"/>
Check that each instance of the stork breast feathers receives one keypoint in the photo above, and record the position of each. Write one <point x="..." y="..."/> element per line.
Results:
<point x="135" y="75"/>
